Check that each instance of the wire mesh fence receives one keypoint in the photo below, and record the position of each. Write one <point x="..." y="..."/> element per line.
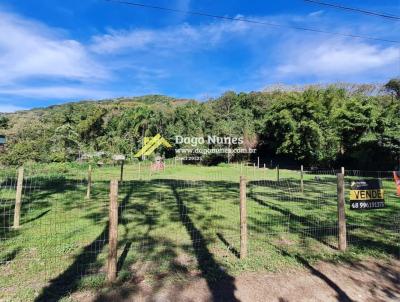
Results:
<point x="288" y="217"/>
<point x="375" y="229"/>
<point x="178" y="223"/>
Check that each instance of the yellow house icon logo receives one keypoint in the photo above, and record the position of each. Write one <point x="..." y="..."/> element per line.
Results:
<point x="151" y="144"/>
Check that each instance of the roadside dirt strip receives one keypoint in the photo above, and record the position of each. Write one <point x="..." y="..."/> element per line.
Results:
<point x="366" y="281"/>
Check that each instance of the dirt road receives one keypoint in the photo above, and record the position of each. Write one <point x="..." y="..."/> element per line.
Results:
<point x="367" y="281"/>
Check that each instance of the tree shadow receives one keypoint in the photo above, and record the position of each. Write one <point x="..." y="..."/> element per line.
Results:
<point x="35" y="194"/>
<point x="9" y="256"/>
<point x="153" y="257"/>
<point x="360" y="225"/>
<point x="123" y="256"/>
<point x="341" y="294"/>
<point x="220" y="291"/>
<point x="36" y="217"/>
<point x="232" y="249"/>
<point x="68" y="281"/>
<point x="307" y="227"/>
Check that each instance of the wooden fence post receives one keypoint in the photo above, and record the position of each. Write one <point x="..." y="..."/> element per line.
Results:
<point x="89" y="182"/>
<point x="121" y="178"/>
<point x="18" y="197"/>
<point x="302" y="179"/>
<point x="113" y="232"/>
<point x="342" y="171"/>
<point x="243" y="218"/>
<point x="277" y="173"/>
<point x="341" y="212"/>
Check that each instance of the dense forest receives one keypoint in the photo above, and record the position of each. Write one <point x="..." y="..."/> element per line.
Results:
<point x="355" y="125"/>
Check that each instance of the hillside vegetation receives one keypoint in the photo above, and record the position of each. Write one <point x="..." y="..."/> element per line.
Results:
<point x="323" y="126"/>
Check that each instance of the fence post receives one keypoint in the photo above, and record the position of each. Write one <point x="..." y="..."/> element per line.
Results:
<point x="258" y="162"/>
<point x="302" y="179"/>
<point x="243" y="218"/>
<point x="139" y="170"/>
<point x="277" y="173"/>
<point x="89" y="182"/>
<point x="342" y="169"/>
<point x="341" y="212"/>
<point x="18" y="197"/>
<point x="121" y="178"/>
<point x="113" y="232"/>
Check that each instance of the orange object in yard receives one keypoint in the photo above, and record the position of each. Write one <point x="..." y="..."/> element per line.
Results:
<point x="396" y="176"/>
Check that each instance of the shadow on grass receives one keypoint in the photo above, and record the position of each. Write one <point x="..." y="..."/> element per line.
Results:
<point x="378" y="223"/>
<point x="68" y="281"/>
<point x="220" y="283"/>
<point x="35" y="192"/>
<point x="224" y="289"/>
<point x="307" y="227"/>
<point x="232" y="249"/>
<point x="123" y="256"/>
<point x="9" y="257"/>
<point x="36" y="217"/>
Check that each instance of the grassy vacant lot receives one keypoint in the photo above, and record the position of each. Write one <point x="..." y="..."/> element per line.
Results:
<point x="174" y="225"/>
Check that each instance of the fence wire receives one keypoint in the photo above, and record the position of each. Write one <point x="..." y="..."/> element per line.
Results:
<point x="176" y="224"/>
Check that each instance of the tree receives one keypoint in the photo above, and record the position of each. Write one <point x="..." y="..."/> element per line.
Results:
<point x="351" y="119"/>
<point x="65" y="144"/>
<point x="319" y="125"/>
<point x="293" y="127"/>
<point x="393" y="86"/>
<point x="4" y="120"/>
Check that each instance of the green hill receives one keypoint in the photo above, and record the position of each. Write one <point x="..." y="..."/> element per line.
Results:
<point x="314" y="125"/>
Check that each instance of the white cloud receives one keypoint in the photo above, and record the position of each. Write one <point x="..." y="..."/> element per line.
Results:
<point x="317" y="13"/>
<point x="57" y="92"/>
<point x="177" y="38"/>
<point x="37" y="61"/>
<point x="5" y="108"/>
<point x="30" y="49"/>
<point x="344" y="58"/>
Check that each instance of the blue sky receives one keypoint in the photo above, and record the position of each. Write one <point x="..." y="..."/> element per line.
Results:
<point x="53" y="52"/>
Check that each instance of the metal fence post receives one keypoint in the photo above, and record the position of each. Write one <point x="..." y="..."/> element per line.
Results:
<point x="302" y="179"/>
<point x="341" y="213"/>
<point x="243" y="219"/>
<point x="18" y="198"/>
<point x="113" y="232"/>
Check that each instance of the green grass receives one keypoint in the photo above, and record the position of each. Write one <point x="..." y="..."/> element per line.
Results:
<point x="174" y="224"/>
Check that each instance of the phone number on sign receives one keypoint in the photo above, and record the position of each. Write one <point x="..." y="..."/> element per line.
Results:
<point x="189" y="158"/>
<point x="367" y="205"/>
